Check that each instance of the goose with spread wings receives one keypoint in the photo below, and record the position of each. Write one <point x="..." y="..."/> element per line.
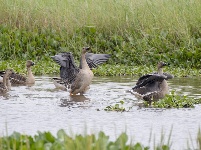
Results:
<point x="76" y="78"/>
<point x="152" y="87"/>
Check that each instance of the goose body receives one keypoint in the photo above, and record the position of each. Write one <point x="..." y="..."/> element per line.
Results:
<point x="153" y="86"/>
<point x="78" y="78"/>
<point x="19" y="79"/>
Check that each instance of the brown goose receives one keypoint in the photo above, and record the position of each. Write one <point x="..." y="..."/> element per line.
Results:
<point x="78" y="79"/>
<point x="152" y="87"/>
<point x="18" y="79"/>
<point x="5" y="85"/>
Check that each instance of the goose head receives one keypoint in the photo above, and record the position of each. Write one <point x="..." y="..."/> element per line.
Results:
<point x="161" y="64"/>
<point x="8" y="73"/>
<point x="85" y="49"/>
<point x="29" y="63"/>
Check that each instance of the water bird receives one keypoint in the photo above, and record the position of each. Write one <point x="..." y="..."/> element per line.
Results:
<point x="17" y="79"/>
<point x="77" y="79"/>
<point x="154" y="86"/>
<point x="5" y="85"/>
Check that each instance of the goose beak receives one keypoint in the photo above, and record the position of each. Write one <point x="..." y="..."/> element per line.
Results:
<point x="165" y="64"/>
<point x="87" y="48"/>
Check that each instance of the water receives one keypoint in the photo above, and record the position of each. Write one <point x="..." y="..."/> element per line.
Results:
<point x="44" y="108"/>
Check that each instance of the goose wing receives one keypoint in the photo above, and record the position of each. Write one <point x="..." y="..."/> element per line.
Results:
<point x="149" y="79"/>
<point x="68" y="68"/>
<point x="168" y="76"/>
<point x="15" y="78"/>
<point x="93" y="60"/>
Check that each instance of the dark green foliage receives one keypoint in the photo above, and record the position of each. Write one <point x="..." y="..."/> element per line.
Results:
<point x="130" y="48"/>
<point x="100" y="141"/>
<point x="45" y="141"/>
<point x="48" y="66"/>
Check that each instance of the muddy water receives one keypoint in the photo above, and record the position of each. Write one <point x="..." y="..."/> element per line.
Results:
<point x="44" y="108"/>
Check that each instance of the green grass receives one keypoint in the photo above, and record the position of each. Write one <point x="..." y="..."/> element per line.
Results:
<point x="100" y="141"/>
<point x="49" y="67"/>
<point x="144" y="15"/>
<point x="135" y="32"/>
<point x="46" y="140"/>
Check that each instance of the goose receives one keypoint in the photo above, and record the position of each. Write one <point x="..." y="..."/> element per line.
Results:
<point x="5" y="85"/>
<point x="19" y="79"/>
<point x="154" y="86"/>
<point x="78" y="79"/>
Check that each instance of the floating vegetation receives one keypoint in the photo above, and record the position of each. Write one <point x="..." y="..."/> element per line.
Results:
<point x="170" y="101"/>
<point x="117" y="107"/>
<point x="175" y="101"/>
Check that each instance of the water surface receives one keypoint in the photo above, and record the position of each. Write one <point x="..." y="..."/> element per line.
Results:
<point x="44" y="108"/>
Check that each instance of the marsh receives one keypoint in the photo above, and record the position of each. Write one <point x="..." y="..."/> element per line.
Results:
<point x="44" y="108"/>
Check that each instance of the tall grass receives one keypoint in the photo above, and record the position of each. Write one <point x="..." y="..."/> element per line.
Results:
<point x="123" y="15"/>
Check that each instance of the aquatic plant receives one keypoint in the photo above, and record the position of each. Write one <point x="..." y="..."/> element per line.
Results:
<point x="175" y="101"/>
<point x="46" y="140"/>
<point x="100" y="141"/>
<point x="117" y="107"/>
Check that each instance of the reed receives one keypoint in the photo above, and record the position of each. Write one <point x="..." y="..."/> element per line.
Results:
<point x="119" y="16"/>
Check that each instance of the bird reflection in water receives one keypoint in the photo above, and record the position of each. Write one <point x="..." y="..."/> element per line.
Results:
<point x="74" y="101"/>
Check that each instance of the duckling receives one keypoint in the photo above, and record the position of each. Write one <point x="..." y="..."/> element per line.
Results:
<point x="5" y="85"/>
<point x="152" y="87"/>
<point x="79" y="78"/>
